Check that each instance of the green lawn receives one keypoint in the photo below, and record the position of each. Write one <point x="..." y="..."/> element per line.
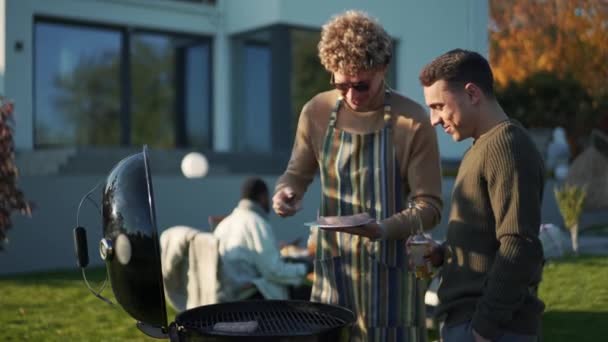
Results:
<point x="575" y="291"/>
<point x="56" y="306"/>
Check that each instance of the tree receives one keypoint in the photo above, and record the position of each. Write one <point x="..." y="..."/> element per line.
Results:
<point x="566" y="38"/>
<point x="543" y="99"/>
<point x="11" y="198"/>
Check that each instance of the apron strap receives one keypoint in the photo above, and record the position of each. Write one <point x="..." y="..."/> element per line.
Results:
<point x="391" y="174"/>
<point x="334" y="113"/>
<point x="387" y="109"/>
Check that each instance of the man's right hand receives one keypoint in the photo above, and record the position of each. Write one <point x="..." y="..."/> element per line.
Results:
<point x="435" y="255"/>
<point x="284" y="202"/>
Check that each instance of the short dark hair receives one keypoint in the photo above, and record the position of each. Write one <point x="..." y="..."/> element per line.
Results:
<point x="253" y="188"/>
<point x="458" y="67"/>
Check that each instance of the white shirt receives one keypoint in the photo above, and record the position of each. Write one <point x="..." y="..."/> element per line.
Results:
<point x="249" y="255"/>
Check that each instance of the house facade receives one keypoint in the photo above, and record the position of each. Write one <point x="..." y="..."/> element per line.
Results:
<point x="94" y="80"/>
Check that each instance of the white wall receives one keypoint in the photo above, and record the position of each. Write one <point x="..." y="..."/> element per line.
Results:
<point x="440" y="26"/>
<point x="242" y="16"/>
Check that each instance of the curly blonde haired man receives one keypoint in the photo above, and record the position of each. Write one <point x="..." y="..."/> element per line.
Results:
<point x="375" y="149"/>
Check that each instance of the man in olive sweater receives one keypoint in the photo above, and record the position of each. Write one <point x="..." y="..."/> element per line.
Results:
<point x="492" y="258"/>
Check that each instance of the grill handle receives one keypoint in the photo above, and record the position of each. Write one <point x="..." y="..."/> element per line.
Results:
<point x="80" y="246"/>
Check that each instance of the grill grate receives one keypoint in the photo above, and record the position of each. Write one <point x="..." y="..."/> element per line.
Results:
<point x="273" y="318"/>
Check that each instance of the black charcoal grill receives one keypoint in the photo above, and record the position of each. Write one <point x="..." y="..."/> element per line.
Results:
<point x="131" y="250"/>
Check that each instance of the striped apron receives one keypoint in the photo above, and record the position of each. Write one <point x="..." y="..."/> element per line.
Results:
<point x="359" y="173"/>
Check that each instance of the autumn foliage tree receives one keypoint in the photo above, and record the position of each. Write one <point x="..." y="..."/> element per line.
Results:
<point x="11" y="198"/>
<point x="565" y="38"/>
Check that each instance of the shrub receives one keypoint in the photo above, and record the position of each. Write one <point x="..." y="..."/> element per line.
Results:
<point x="11" y="198"/>
<point x="570" y="200"/>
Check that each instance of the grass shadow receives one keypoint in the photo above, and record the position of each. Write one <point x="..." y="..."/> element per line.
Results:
<point x="57" y="278"/>
<point x="597" y="229"/>
<point x="580" y="260"/>
<point x="579" y="326"/>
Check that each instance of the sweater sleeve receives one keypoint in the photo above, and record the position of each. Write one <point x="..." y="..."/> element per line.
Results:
<point x="421" y="171"/>
<point x="514" y="174"/>
<point x="302" y="164"/>
<point x="268" y="259"/>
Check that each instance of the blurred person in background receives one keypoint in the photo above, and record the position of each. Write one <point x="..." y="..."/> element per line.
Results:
<point x="249" y="253"/>
<point x="374" y="149"/>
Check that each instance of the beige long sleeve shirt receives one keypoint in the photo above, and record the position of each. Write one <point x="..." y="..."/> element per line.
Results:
<point x="415" y="144"/>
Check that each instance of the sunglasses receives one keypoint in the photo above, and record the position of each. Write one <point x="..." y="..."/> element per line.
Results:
<point x="344" y="87"/>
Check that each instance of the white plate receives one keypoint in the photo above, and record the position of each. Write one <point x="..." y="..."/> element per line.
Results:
<point x="341" y="221"/>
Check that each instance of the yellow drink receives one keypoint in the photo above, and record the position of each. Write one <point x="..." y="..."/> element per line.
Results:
<point x="418" y="249"/>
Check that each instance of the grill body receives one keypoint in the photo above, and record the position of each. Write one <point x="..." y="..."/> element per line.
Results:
<point x="265" y="320"/>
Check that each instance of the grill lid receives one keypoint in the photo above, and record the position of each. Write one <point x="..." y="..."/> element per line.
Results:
<point x="130" y="244"/>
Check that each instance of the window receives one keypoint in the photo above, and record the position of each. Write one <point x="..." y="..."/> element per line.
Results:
<point x="107" y="86"/>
